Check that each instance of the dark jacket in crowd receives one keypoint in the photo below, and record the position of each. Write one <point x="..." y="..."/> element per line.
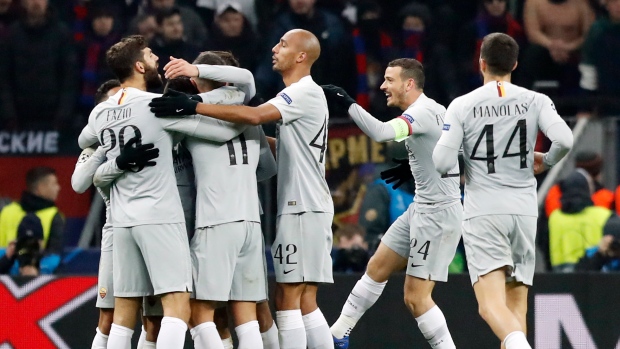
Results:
<point x="244" y="47"/>
<point x="177" y="48"/>
<point x="94" y="69"/>
<point x="334" y="66"/>
<point x="38" y="70"/>
<point x="32" y="203"/>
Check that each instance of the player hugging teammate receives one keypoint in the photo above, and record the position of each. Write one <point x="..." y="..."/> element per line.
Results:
<point x="181" y="253"/>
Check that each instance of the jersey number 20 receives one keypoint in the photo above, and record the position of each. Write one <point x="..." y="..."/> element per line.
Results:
<point x="487" y="133"/>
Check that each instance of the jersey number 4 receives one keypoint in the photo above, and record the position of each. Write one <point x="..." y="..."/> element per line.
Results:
<point x="487" y="134"/>
<point x="313" y="142"/>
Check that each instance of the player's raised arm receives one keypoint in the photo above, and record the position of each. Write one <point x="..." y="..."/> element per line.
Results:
<point x="556" y="129"/>
<point x="446" y="153"/>
<point x="267" y="166"/>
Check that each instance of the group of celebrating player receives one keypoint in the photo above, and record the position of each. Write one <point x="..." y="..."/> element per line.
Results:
<point x="182" y="249"/>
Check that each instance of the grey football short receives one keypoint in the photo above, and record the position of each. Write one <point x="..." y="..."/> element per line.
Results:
<point x="151" y="259"/>
<point x="496" y="241"/>
<point x="227" y="262"/>
<point x="302" y="248"/>
<point x="105" y="281"/>
<point x="427" y="240"/>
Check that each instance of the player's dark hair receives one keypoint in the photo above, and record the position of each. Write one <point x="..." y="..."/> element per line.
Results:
<point x="500" y="51"/>
<point x="165" y="14"/>
<point x="183" y="84"/>
<point x="123" y="55"/>
<point x="210" y="58"/>
<point x="35" y="175"/>
<point x="228" y="58"/>
<point x="102" y="92"/>
<point x="411" y="69"/>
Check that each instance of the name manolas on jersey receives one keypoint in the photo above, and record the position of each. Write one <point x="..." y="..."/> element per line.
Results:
<point x="301" y="148"/>
<point x="499" y="123"/>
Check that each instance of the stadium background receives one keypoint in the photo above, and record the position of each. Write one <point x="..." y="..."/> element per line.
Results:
<point x="567" y="310"/>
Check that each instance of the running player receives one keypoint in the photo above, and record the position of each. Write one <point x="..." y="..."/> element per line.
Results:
<point x="148" y="222"/>
<point x="305" y="210"/>
<point x="496" y="125"/>
<point x="428" y="233"/>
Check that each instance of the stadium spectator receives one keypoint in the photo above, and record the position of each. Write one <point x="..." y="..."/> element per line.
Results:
<point x="351" y="249"/>
<point x="577" y="225"/>
<point x="600" y="74"/>
<point x="209" y="9"/>
<point x="231" y="31"/>
<point x="144" y="24"/>
<point x="7" y="16"/>
<point x="38" y="70"/>
<point x="334" y="64"/>
<point x="556" y="30"/>
<point x="606" y="256"/>
<point x="195" y="31"/>
<point x="592" y="163"/>
<point x="170" y="39"/>
<point x="413" y="41"/>
<point x="26" y="249"/>
<point x="492" y="17"/>
<point x="36" y="204"/>
<point x="99" y="38"/>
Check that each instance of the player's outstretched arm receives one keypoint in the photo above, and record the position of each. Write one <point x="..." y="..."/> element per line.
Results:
<point x="183" y="105"/>
<point x="88" y="162"/>
<point x="556" y="129"/>
<point x="337" y="100"/>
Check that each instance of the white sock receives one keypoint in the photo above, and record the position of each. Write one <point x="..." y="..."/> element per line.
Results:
<point x="172" y="333"/>
<point x="516" y="340"/>
<point x="120" y="337"/>
<point x="205" y="336"/>
<point x="100" y="341"/>
<point x="434" y="328"/>
<point x="317" y="331"/>
<point x="142" y="338"/>
<point x="270" y="337"/>
<point x="291" y="331"/>
<point x="249" y="336"/>
<point x="149" y="345"/>
<point x="228" y="343"/>
<point x="362" y="297"/>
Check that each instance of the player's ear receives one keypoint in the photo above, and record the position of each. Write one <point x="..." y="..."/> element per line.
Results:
<point x="515" y="66"/>
<point x="411" y="84"/>
<point x="302" y="57"/>
<point x="139" y="66"/>
<point x="483" y="65"/>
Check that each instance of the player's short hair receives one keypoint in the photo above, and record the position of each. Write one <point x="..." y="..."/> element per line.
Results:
<point x="124" y="54"/>
<point x="35" y="175"/>
<point x="228" y="58"/>
<point x="411" y="69"/>
<point x="500" y="51"/>
<point x="102" y="92"/>
<point x="210" y="58"/>
<point x="183" y="84"/>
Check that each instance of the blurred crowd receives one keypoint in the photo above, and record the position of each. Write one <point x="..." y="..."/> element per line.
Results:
<point x="52" y="52"/>
<point x="52" y="60"/>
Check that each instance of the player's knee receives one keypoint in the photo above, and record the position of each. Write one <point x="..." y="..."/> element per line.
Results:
<point x="377" y="270"/>
<point x="416" y="300"/>
<point x="486" y="311"/>
<point x="106" y="317"/>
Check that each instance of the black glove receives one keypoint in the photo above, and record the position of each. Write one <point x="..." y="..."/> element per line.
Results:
<point x="139" y="155"/>
<point x="338" y="101"/>
<point x="173" y="103"/>
<point x="401" y="173"/>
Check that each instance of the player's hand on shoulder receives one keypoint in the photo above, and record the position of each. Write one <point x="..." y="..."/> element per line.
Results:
<point x="179" y="67"/>
<point x="174" y="103"/>
<point x="539" y="165"/>
<point x="400" y="173"/>
<point x="338" y="101"/>
<point x="138" y="155"/>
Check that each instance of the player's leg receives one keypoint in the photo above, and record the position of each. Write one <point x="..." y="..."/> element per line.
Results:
<point x="130" y="285"/>
<point x="103" y="328"/>
<point x="516" y="300"/>
<point x="291" y="332"/>
<point x="220" y="318"/>
<point x="166" y="253"/>
<point x="246" y="324"/>
<point x="391" y="256"/>
<point x="105" y="299"/>
<point x="267" y="326"/>
<point x="204" y="331"/>
<point x="489" y="258"/>
<point x="434" y="239"/>
<point x="152" y="326"/>
<point x="317" y="329"/>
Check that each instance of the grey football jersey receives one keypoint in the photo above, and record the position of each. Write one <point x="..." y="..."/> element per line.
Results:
<point x="434" y="191"/>
<point x="497" y="125"/>
<point x="301" y="148"/>
<point x="148" y="195"/>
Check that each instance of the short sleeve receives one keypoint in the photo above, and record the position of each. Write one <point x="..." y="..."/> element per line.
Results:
<point x="289" y="103"/>
<point x="548" y="114"/>
<point x="452" y="131"/>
